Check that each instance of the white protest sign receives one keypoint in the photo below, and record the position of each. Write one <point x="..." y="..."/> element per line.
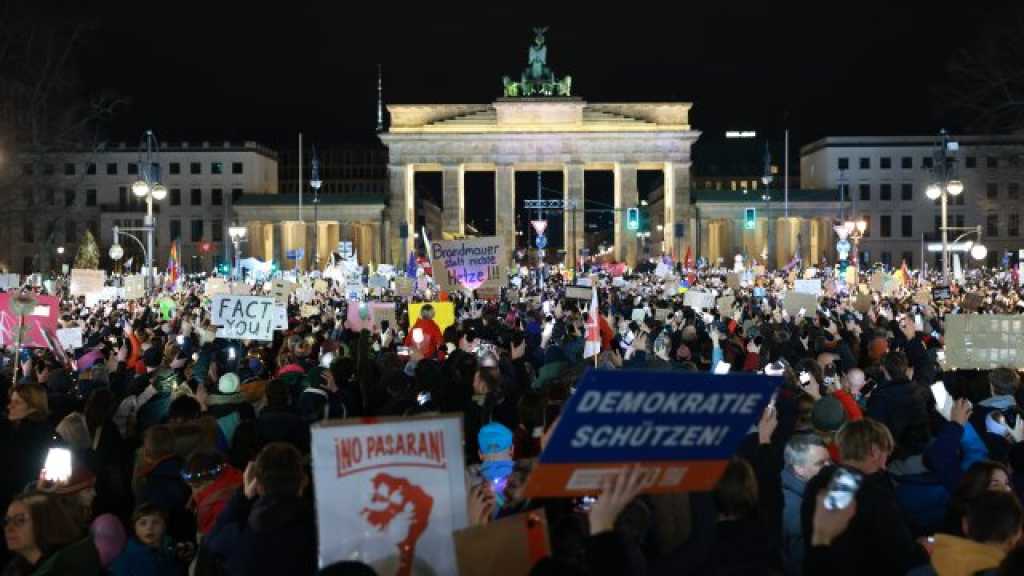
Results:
<point x="584" y="281"/>
<point x="281" y="289"/>
<point x="215" y="286"/>
<point x="379" y="282"/>
<point x="134" y="287"/>
<point x="386" y="270"/>
<point x="320" y="286"/>
<point x="280" y="317"/>
<point x="70" y="338"/>
<point x="639" y="315"/>
<point x="663" y="270"/>
<point x="304" y="295"/>
<point x="578" y="293"/>
<point x="471" y="261"/>
<point x="812" y="286"/>
<point x="243" y="317"/>
<point x="794" y="302"/>
<point x="8" y="281"/>
<point x="662" y="314"/>
<point x="390" y="493"/>
<point x="353" y="291"/>
<point x="87" y="282"/>
<point x="110" y="293"/>
<point x="699" y="300"/>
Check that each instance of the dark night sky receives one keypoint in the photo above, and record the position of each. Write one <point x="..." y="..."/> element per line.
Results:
<point x="216" y="71"/>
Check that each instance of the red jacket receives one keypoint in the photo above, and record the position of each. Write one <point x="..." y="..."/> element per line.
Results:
<point x="210" y="501"/>
<point x="432" y="337"/>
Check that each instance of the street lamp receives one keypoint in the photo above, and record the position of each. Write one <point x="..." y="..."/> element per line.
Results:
<point x="943" y="189"/>
<point x="150" y="188"/>
<point x="237" y="234"/>
<point x="315" y="183"/>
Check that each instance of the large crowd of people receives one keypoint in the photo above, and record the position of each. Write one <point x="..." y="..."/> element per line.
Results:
<point x="191" y="453"/>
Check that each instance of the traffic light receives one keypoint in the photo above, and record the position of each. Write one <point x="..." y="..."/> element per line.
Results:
<point x="632" y="218"/>
<point x="750" y="219"/>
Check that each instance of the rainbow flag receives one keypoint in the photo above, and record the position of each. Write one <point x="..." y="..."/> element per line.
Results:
<point x="173" y="266"/>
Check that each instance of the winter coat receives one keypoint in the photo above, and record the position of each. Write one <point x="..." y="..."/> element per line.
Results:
<point x="211" y="500"/>
<point x="23" y="448"/>
<point x="137" y="559"/>
<point x="793" y="542"/>
<point x="282" y="425"/>
<point x="266" y="536"/>
<point x="955" y="556"/>
<point x="163" y="486"/>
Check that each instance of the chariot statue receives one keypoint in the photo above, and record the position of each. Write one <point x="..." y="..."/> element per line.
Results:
<point x="537" y="80"/>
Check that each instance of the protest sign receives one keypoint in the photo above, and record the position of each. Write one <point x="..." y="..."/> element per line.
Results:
<point x="923" y="297"/>
<point x="167" y="307"/>
<point x="308" y="311"/>
<point x="662" y="314"/>
<point x="810" y="273"/>
<point x="386" y="270"/>
<point x="732" y="280"/>
<point x="618" y="282"/>
<point x="42" y="317"/>
<point x="391" y="493"/>
<point x="70" y="338"/>
<point x="509" y="545"/>
<point x="357" y="316"/>
<point x="725" y="304"/>
<point x="215" y="286"/>
<point x="382" y="312"/>
<point x="281" y="289"/>
<point x="863" y="303"/>
<point x="134" y="287"/>
<point x="444" y="313"/>
<point x="984" y="341"/>
<point x="353" y="291"/>
<point x="471" y="261"/>
<point x="9" y="281"/>
<point x="243" y="317"/>
<point x="444" y="279"/>
<point x="403" y="286"/>
<point x="578" y="293"/>
<point x="422" y="283"/>
<point x="941" y="293"/>
<point x="812" y="286"/>
<point x="795" y="301"/>
<point x="379" y="282"/>
<point x="304" y="295"/>
<point x="584" y="281"/>
<point x="699" y="300"/>
<point x="86" y="281"/>
<point x="280" y="317"/>
<point x="639" y="315"/>
<point x="663" y="270"/>
<point x="320" y="286"/>
<point x="681" y="429"/>
<point x="877" y="281"/>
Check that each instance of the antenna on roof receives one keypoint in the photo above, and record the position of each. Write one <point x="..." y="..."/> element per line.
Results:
<point x="380" y="100"/>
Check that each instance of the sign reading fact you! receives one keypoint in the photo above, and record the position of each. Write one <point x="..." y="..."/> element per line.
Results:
<point x="243" y="317"/>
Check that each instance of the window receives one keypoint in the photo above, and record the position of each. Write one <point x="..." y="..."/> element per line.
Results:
<point x="122" y="197"/>
<point x="51" y="197"/>
<point x="908" y="257"/>
<point x="133" y="168"/>
<point x="865" y="192"/>
<point x="111" y="168"/>
<point x="48" y="169"/>
<point x="906" y="162"/>
<point x="865" y="163"/>
<point x="844" y="163"/>
<point x="70" y="231"/>
<point x="907" y="227"/>
<point x="927" y="162"/>
<point x="28" y="232"/>
<point x="175" y="196"/>
<point x="236" y="193"/>
<point x="970" y="162"/>
<point x="197" y="197"/>
<point x="197" y="230"/>
<point x="236" y="167"/>
<point x="69" y="169"/>
<point x="885" y="223"/>
<point x="175" y="230"/>
<point x="69" y="198"/>
<point x="907" y="192"/>
<point x="991" y="162"/>
<point x="90" y="197"/>
<point x="90" y="169"/>
<point x="992" y="225"/>
<point x="195" y="168"/>
<point x="217" y="197"/>
<point x="175" y="168"/>
<point x="885" y="163"/>
<point x="216" y="167"/>
<point x="1013" y="226"/>
<point x="1013" y="191"/>
<point x="991" y="190"/>
<point x="958" y="221"/>
<point x="27" y="169"/>
<point x="218" y="230"/>
<point x="885" y="192"/>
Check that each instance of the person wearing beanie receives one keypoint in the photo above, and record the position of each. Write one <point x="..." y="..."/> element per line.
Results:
<point x="228" y="405"/>
<point x="827" y="417"/>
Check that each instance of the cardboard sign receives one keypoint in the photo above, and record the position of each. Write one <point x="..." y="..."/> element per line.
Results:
<point x="510" y="545"/>
<point x="304" y="295"/>
<point x="578" y="293"/>
<point x="281" y="289"/>
<point x="725" y="304"/>
<point x="984" y="341"/>
<point x="243" y="317"/>
<point x="357" y="316"/>
<point x="391" y="493"/>
<point x="444" y="313"/>
<point x="215" y="286"/>
<point x="877" y="281"/>
<point x="70" y="338"/>
<point x="445" y="280"/>
<point x="42" y="318"/>
<point x="87" y="281"/>
<point x="923" y="297"/>
<point x="308" y="311"/>
<point x="699" y="300"/>
<point x="732" y="280"/>
<point x="863" y="303"/>
<point x="471" y="261"/>
<point x="403" y="286"/>
<point x="680" y="428"/>
<point x="320" y="286"/>
<point x="795" y="301"/>
<point x="808" y="286"/>
<point x="134" y="287"/>
<point x="382" y="312"/>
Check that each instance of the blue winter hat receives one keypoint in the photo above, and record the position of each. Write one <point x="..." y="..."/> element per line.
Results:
<point x="494" y="438"/>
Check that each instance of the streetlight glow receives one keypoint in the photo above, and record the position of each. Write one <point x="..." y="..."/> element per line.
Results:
<point x="955" y="187"/>
<point x="933" y="192"/>
<point x="862" y="226"/>
<point x="159" y="192"/>
<point x="140" y="188"/>
<point x="116" y="252"/>
<point x="979" y="251"/>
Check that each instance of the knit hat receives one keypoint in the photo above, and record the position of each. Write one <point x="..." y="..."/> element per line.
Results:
<point x="494" y="438"/>
<point x="828" y="414"/>
<point x="228" y="383"/>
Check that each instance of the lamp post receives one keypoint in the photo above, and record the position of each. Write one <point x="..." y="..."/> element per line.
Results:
<point x="150" y="188"/>
<point x="237" y="234"/>
<point x="942" y="189"/>
<point x="315" y="183"/>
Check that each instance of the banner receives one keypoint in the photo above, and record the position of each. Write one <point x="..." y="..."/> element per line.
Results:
<point x="86" y="281"/>
<point x="70" y="338"/>
<point x="243" y="317"/>
<point x="699" y="300"/>
<point x="42" y="318"/>
<point x="680" y="428"/>
<point x="390" y="493"/>
<point x="984" y="341"/>
<point x="444" y="313"/>
<point x="471" y="261"/>
<point x="134" y="287"/>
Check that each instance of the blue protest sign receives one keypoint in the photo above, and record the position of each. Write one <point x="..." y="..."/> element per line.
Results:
<point x="681" y="428"/>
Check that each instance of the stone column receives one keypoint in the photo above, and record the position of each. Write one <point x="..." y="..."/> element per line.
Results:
<point x="626" y="196"/>
<point x="678" y="209"/>
<point x="278" y="243"/>
<point x="574" y="227"/>
<point x="453" y="183"/>
<point x="505" y="206"/>
<point x="402" y="209"/>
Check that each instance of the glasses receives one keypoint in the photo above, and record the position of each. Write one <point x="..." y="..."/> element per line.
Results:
<point x="16" y="521"/>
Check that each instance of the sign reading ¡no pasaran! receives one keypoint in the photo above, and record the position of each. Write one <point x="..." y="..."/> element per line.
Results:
<point x="243" y="317"/>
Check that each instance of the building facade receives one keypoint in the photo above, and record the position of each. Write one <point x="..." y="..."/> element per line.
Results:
<point x="54" y="198"/>
<point x="884" y="180"/>
<point x="343" y="170"/>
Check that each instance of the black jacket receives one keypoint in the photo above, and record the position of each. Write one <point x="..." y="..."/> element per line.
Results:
<point x="899" y="405"/>
<point x="266" y="536"/>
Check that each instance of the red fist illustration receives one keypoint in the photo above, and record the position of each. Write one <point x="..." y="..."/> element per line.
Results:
<point x="401" y="512"/>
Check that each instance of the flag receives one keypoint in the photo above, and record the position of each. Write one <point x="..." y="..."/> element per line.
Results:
<point x="426" y="245"/>
<point x="593" y="342"/>
<point x="172" y="265"/>
<point x="410" y="267"/>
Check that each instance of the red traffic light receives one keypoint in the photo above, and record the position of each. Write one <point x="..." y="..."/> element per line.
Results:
<point x="206" y="247"/>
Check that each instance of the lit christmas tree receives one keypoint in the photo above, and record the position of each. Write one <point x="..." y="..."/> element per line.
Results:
<point x="88" y="255"/>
